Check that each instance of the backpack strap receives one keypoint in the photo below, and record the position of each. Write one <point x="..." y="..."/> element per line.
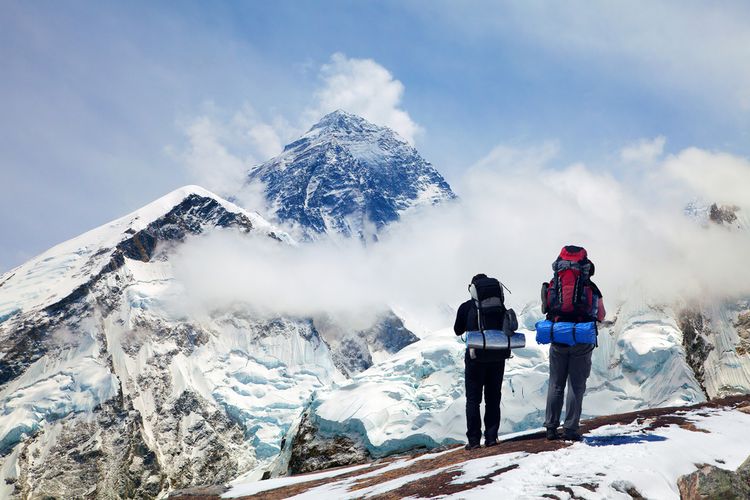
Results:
<point x="595" y="289"/>
<point x="552" y="332"/>
<point x="558" y="290"/>
<point x="480" y="324"/>
<point x="577" y="290"/>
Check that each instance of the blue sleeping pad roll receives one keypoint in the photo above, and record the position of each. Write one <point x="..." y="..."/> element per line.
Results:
<point x="565" y="333"/>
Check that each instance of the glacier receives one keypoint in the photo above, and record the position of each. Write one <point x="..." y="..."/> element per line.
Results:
<point x="99" y="352"/>
<point x="416" y="398"/>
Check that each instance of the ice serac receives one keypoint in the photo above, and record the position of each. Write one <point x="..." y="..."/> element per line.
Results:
<point x="416" y="398"/>
<point x="717" y="331"/>
<point x="718" y="345"/>
<point x="108" y="390"/>
<point x="348" y="176"/>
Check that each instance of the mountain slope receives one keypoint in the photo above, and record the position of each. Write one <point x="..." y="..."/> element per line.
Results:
<point x="108" y="389"/>
<point x="348" y="176"/>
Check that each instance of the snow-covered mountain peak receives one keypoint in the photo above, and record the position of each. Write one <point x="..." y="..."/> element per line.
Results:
<point x="59" y="271"/>
<point x="108" y="385"/>
<point x="348" y="129"/>
<point x="98" y="373"/>
<point x="342" y="122"/>
<point x="728" y="216"/>
<point x="348" y="176"/>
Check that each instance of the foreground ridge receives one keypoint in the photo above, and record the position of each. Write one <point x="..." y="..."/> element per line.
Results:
<point x="452" y="470"/>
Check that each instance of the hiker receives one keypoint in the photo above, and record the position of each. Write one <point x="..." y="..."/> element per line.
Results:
<point x="483" y="368"/>
<point x="573" y="304"/>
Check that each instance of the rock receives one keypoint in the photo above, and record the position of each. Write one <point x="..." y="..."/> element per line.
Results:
<point x="353" y="353"/>
<point x="710" y="482"/>
<point x="743" y="471"/>
<point x="695" y="332"/>
<point x="311" y="452"/>
<point x="721" y="214"/>
<point x="743" y="331"/>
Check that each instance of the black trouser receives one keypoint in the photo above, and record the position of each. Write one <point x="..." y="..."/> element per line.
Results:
<point x="487" y="376"/>
<point x="571" y="366"/>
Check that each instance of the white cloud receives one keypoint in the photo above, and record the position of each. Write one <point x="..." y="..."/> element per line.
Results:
<point x="266" y="139"/>
<point x="365" y="88"/>
<point x="644" y="151"/>
<point x="221" y="149"/>
<point x="715" y="177"/>
<point x="223" y="146"/>
<point x="517" y="210"/>
<point x="505" y="157"/>
<point x="208" y="160"/>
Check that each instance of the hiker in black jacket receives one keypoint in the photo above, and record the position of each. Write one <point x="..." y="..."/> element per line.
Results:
<point x="483" y="372"/>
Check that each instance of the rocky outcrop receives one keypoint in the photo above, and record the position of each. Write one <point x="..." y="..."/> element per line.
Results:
<point x="722" y="214"/>
<point x="353" y="353"/>
<point x="743" y="332"/>
<point x="311" y="452"/>
<point x="104" y="393"/>
<point x="103" y="456"/>
<point x="695" y="341"/>
<point x="710" y="482"/>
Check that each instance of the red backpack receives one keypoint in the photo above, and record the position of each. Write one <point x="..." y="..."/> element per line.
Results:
<point x="570" y="295"/>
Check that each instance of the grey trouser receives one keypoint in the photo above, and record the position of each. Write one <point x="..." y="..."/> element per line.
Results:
<point x="569" y="365"/>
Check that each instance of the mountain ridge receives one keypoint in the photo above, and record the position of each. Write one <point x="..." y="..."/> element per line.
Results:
<point x="348" y="176"/>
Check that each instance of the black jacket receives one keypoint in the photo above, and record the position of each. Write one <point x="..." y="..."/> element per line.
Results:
<point x="466" y="320"/>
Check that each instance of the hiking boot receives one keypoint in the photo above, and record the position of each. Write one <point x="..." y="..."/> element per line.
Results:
<point x="471" y="446"/>
<point x="570" y="435"/>
<point x="491" y="443"/>
<point x="552" y="434"/>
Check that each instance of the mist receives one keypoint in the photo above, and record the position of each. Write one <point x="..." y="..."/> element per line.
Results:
<point x="516" y="210"/>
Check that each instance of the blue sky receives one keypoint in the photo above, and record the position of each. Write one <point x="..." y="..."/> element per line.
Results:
<point x="105" y="106"/>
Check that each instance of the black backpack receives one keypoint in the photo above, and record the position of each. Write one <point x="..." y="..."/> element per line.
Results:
<point x="489" y="300"/>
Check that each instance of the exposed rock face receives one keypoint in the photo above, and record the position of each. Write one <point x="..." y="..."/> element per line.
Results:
<point x="348" y="176"/>
<point x="716" y="339"/>
<point x="710" y="482"/>
<point x="722" y="214"/>
<point x="311" y="452"/>
<point x="355" y="351"/>
<point x="697" y="348"/>
<point x="743" y="331"/>
<point x="103" y="457"/>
